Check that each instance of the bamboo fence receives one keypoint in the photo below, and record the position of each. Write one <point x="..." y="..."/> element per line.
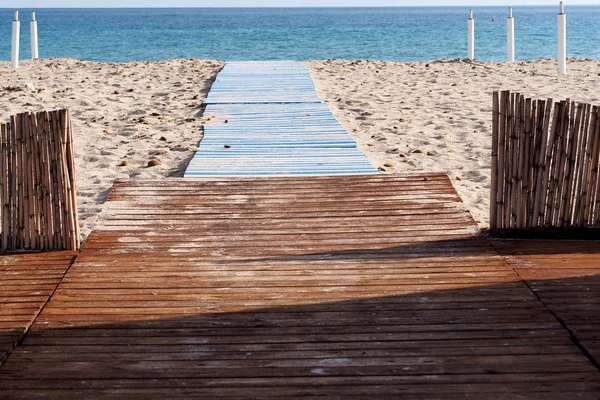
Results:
<point x="545" y="159"/>
<point x="37" y="183"/>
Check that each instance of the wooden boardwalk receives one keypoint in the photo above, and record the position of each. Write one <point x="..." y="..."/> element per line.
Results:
<point x="565" y="276"/>
<point x="341" y="287"/>
<point x="26" y="283"/>
<point x="264" y="118"/>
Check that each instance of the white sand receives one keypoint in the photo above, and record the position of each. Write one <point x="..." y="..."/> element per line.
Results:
<point x="436" y="116"/>
<point x="432" y="116"/>
<point x="135" y="112"/>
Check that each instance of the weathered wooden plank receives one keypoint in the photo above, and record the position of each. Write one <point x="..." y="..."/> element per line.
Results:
<point x="304" y="290"/>
<point x="27" y="280"/>
<point x="565" y="275"/>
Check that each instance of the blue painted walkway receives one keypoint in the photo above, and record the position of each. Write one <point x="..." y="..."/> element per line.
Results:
<point x="266" y="119"/>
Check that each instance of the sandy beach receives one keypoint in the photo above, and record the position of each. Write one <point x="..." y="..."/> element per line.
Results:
<point x="124" y="116"/>
<point x="436" y="116"/>
<point x="412" y="117"/>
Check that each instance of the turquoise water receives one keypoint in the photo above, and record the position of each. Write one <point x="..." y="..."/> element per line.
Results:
<point x="399" y="34"/>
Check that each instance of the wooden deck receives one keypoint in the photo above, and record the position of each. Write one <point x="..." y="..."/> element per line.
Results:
<point x="565" y="276"/>
<point x="351" y="287"/>
<point x="27" y="282"/>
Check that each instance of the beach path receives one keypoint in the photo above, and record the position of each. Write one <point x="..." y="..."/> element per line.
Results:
<point x="265" y="118"/>
<point x="364" y="286"/>
<point x="27" y="282"/>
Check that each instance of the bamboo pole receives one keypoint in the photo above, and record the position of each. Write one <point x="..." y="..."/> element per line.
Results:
<point x="4" y="192"/>
<point x="567" y="180"/>
<point x="31" y="181"/>
<point x="23" y="197"/>
<point x="516" y="142"/>
<point x="21" y="209"/>
<point x="8" y="189"/>
<point x="580" y="155"/>
<point x="7" y="200"/>
<point x="518" y="205"/>
<point x="494" y="174"/>
<point x="594" y="207"/>
<point x="559" y="167"/>
<point x="578" y="167"/>
<point x="73" y="182"/>
<point x="70" y="165"/>
<point x="53" y="183"/>
<point x="15" y="231"/>
<point x="64" y="179"/>
<point x="531" y="110"/>
<point x="47" y="180"/>
<point x="36" y="181"/>
<point x="39" y="189"/>
<point x="56" y="180"/>
<point x="537" y="119"/>
<point x="594" y="175"/>
<point x="42" y="177"/>
<point x="27" y="178"/>
<point x="510" y="109"/>
<point x="551" y="161"/>
<point x="20" y="186"/>
<point x="541" y="167"/>
<point x="585" y="167"/>
<point x="504" y="97"/>
<point x="561" y="159"/>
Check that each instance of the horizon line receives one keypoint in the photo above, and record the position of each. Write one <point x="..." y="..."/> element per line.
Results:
<point x="275" y="7"/>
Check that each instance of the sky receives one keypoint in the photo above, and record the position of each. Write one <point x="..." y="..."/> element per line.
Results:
<point x="275" y="3"/>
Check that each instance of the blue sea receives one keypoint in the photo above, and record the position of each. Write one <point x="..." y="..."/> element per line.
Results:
<point x="398" y="34"/>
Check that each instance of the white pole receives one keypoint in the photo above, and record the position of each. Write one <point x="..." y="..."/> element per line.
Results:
<point x="34" y="37"/>
<point x="510" y="36"/>
<point x="16" y="29"/>
<point x="471" y="47"/>
<point x="562" y="40"/>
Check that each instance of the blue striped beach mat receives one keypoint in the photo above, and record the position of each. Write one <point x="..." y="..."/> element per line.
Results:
<point x="263" y="82"/>
<point x="264" y="118"/>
